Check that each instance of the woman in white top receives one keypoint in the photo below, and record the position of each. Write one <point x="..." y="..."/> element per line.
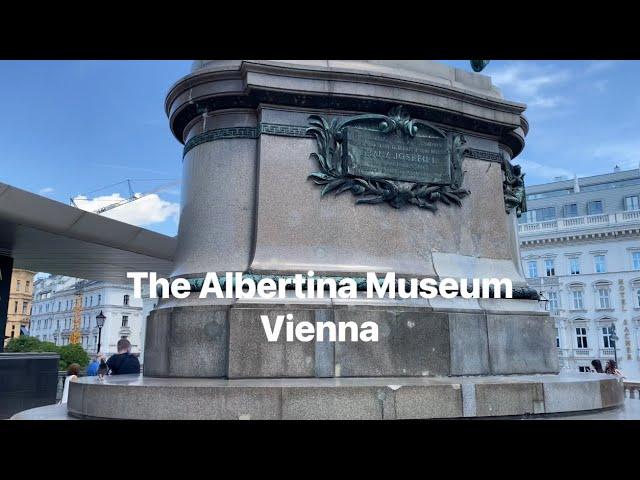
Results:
<point x="72" y="373"/>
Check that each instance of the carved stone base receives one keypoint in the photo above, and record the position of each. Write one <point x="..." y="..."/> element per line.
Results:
<point x="229" y="341"/>
<point x="135" y="397"/>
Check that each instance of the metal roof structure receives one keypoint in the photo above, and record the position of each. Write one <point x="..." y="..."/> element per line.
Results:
<point x="48" y="236"/>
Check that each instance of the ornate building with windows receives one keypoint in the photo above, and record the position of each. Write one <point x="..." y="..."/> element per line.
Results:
<point x="54" y="309"/>
<point x="20" y="297"/>
<point x="580" y="247"/>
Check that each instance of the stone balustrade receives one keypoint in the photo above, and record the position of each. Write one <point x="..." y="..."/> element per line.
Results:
<point x="576" y="223"/>
<point x="632" y="389"/>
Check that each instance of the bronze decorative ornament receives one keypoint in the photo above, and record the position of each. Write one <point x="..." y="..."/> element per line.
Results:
<point x="389" y="158"/>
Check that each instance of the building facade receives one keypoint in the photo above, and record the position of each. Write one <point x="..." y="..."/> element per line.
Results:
<point x="20" y="298"/>
<point x="580" y="247"/>
<point x="54" y="310"/>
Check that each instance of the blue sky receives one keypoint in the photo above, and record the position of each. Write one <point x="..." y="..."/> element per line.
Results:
<point x="69" y="128"/>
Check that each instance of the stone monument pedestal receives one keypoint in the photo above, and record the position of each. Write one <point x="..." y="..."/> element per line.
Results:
<point x="388" y="398"/>
<point x="344" y="168"/>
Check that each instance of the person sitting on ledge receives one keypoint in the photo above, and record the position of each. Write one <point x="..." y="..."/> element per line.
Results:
<point x="612" y="369"/>
<point x="73" y="372"/>
<point x="597" y="366"/>
<point x="124" y="362"/>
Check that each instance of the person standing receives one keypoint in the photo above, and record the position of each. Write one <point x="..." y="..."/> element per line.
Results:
<point x="92" y="369"/>
<point x="124" y="362"/>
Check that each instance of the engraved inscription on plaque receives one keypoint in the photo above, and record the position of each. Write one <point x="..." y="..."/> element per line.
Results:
<point x="373" y="154"/>
<point x="391" y="158"/>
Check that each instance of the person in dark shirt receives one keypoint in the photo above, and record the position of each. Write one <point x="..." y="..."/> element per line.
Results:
<point x="124" y="362"/>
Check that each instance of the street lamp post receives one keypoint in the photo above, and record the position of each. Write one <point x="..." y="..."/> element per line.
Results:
<point x="100" y="318"/>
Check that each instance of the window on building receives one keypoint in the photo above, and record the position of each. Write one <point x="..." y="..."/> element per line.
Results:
<point x="13" y="331"/>
<point x="576" y="296"/>
<point x="539" y="215"/>
<point x="17" y="285"/>
<point x="584" y="369"/>
<point x="607" y="333"/>
<point x="27" y="285"/>
<point x="581" y="337"/>
<point x="638" y="296"/>
<point x="571" y="210"/>
<point x="574" y="266"/>
<point x="603" y="297"/>
<point x="99" y="299"/>
<point x="15" y="307"/>
<point x="125" y="300"/>
<point x="25" y="305"/>
<point x="91" y="301"/>
<point x="600" y="265"/>
<point x="125" y="321"/>
<point x="58" y="324"/>
<point x="631" y="203"/>
<point x="594" y="207"/>
<point x="549" y="267"/>
<point x="635" y="257"/>
<point x="554" y="304"/>
<point x="95" y="339"/>
<point x="557" y="338"/>
<point x="532" y="268"/>
<point x="59" y="306"/>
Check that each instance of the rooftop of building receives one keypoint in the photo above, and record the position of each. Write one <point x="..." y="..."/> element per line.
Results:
<point x="566" y="183"/>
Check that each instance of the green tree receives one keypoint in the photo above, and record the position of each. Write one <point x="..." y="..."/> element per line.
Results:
<point x="72" y="353"/>
<point x="24" y="343"/>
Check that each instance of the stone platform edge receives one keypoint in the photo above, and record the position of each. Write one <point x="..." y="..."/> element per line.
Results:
<point x="144" y="398"/>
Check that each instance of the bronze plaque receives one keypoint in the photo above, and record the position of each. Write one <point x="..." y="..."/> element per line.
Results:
<point x="394" y="156"/>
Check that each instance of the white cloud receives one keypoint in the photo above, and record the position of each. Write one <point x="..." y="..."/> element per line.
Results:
<point x="547" y="172"/>
<point x="598" y="66"/>
<point x="624" y="154"/>
<point x="144" y="211"/>
<point x="545" y="102"/>
<point x="529" y="79"/>
<point x="531" y="83"/>
<point x="45" y="190"/>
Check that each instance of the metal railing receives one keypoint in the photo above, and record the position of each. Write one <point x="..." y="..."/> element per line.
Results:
<point x="582" y="352"/>
<point x="574" y="223"/>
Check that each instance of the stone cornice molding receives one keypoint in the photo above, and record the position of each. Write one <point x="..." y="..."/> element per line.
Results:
<point x="254" y="82"/>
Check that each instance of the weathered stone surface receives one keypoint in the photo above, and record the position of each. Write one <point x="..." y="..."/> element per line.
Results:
<point x="441" y="401"/>
<point x="411" y="343"/>
<point x="469" y="344"/>
<point x="187" y="342"/>
<point x="178" y="403"/>
<point x="505" y="399"/>
<point x="521" y="344"/>
<point x="570" y="396"/>
<point x="197" y="342"/>
<point x="156" y="345"/>
<point x="137" y="397"/>
<point x="611" y="392"/>
<point x="217" y="217"/>
<point x="252" y="356"/>
<point x="348" y="403"/>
